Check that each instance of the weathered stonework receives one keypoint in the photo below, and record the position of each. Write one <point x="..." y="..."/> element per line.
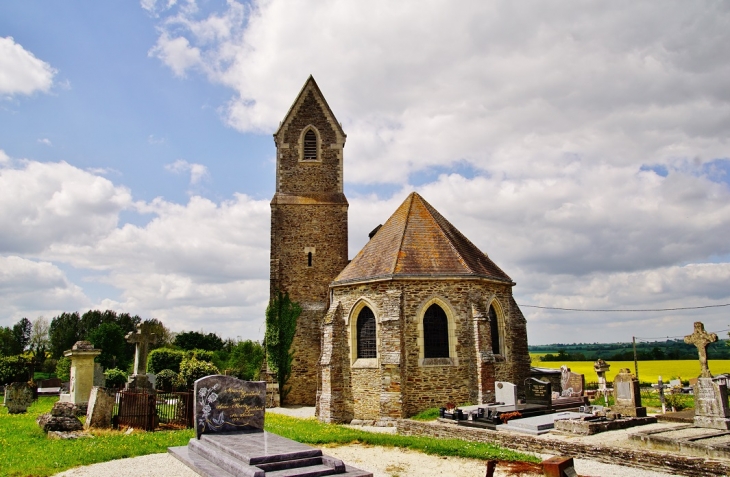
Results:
<point x="401" y="383"/>
<point x="308" y="228"/>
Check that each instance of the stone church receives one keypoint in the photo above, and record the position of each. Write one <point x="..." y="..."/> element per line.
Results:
<point x="420" y="317"/>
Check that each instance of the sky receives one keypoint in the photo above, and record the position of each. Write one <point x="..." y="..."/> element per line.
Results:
<point x="584" y="146"/>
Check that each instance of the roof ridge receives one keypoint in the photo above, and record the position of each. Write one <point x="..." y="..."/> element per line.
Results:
<point x="431" y="211"/>
<point x="403" y="235"/>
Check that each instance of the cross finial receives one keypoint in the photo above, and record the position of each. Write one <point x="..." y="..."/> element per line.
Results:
<point x="701" y="339"/>
<point x="141" y="338"/>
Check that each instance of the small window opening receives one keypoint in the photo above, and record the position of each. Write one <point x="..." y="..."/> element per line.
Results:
<point x="435" y="333"/>
<point x="309" y="259"/>
<point x="494" y="330"/>
<point x="310" y="146"/>
<point x="366" y="347"/>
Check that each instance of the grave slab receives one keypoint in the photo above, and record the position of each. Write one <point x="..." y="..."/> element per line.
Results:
<point x="538" y="424"/>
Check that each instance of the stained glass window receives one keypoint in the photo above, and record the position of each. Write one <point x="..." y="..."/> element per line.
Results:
<point x="366" y="334"/>
<point x="435" y="333"/>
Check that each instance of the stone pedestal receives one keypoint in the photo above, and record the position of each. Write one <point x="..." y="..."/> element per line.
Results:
<point x="711" y="406"/>
<point x="82" y="356"/>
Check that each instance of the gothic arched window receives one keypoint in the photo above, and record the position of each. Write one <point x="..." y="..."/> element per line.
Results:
<point x="366" y="334"/>
<point x="494" y="330"/>
<point x="310" y="146"/>
<point x="435" y="333"/>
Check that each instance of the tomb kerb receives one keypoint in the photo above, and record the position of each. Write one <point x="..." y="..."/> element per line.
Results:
<point x="82" y="355"/>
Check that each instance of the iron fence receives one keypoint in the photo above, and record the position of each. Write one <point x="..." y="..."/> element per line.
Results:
<point x="150" y="411"/>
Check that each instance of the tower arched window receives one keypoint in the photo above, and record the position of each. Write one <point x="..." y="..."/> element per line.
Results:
<point x="494" y="330"/>
<point x="366" y="334"/>
<point x="435" y="333"/>
<point x="310" y="146"/>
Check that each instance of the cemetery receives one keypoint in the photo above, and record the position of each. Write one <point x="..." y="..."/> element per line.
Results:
<point x="229" y="433"/>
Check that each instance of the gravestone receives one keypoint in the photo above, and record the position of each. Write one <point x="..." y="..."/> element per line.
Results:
<point x="141" y="338"/>
<point x="627" y="395"/>
<point x="18" y="397"/>
<point x="101" y="407"/>
<point x="538" y="392"/>
<point x="229" y="417"/>
<point x="82" y="355"/>
<point x="505" y="393"/>
<point x="225" y="403"/>
<point x="711" y="406"/>
<point x="572" y="384"/>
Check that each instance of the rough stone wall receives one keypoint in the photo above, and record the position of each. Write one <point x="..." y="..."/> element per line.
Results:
<point x="304" y="177"/>
<point x="308" y="215"/>
<point x="405" y="386"/>
<point x="366" y="393"/>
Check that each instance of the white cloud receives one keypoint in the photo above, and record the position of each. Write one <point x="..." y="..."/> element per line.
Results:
<point x="53" y="203"/>
<point x="21" y="72"/>
<point x="29" y="288"/>
<point x="198" y="172"/>
<point x="176" y="53"/>
<point x="4" y="158"/>
<point x="45" y="141"/>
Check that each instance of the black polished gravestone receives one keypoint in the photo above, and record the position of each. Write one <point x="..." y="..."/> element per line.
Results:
<point x="225" y="404"/>
<point x="229" y="417"/>
<point x="538" y="392"/>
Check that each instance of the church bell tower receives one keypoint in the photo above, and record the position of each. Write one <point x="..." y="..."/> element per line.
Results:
<point x="308" y="225"/>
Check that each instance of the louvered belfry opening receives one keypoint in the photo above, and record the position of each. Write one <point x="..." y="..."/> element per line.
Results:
<point x="494" y="330"/>
<point x="435" y="333"/>
<point x="310" y="146"/>
<point x="366" y="334"/>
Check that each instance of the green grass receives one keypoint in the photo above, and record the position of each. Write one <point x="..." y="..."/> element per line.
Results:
<point x="427" y="415"/>
<point x="311" y="431"/>
<point x="26" y="451"/>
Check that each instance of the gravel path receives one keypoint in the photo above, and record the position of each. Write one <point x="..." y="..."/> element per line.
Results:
<point x="382" y="462"/>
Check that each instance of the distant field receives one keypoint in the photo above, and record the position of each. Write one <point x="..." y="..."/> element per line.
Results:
<point x="649" y="371"/>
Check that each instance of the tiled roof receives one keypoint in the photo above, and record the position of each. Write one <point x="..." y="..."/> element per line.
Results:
<point x="418" y="241"/>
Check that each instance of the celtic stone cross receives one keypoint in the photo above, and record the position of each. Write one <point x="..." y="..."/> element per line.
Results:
<point x="701" y="339"/>
<point x="142" y="338"/>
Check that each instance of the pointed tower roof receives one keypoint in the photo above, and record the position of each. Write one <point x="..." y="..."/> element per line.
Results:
<point x="417" y="241"/>
<point x="311" y="86"/>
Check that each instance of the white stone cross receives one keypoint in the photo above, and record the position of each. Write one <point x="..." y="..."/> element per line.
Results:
<point x="142" y="338"/>
<point x="701" y="339"/>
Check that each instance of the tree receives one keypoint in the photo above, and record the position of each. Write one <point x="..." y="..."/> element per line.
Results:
<point x="21" y="334"/>
<point x="165" y="337"/>
<point x="39" y="341"/>
<point x="245" y="359"/>
<point x="7" y="341"/>
<point x="65" y="330"/>
<point x="189" y="340"/>
<point x="281" y="324"/>
<point x="109" y="338"/>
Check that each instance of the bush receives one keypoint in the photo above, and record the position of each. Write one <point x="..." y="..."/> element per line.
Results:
<point x="678" y="401"/>
<point x="200" y="355"/>
<point x="115" y="378"/>
<point x="13" y="369"/>
<point x="192" y="369"/>
<point x="164" y="358"/>
<point x="166" y="380"/>
<point x="63" y="369"/>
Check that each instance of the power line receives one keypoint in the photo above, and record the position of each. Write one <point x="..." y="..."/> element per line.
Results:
<point x="624" y="311"/>
<point x="675" y="337"/>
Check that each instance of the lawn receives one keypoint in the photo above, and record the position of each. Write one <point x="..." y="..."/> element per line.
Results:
<point x="26" y="451"/>
<point x="649" y="371"/>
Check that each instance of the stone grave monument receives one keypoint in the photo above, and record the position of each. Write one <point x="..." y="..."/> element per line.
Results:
<point x="229" y="419"/>
<point x="711" y="406"/>
<point x="627" y="395"/>
<point x="141" y="338"/>
<point x="18" y="397"/>
<point x="572" y="384"/>
<point x="505" y="392"/>
<point x="602" y="368"/>
<point x="100" y="409"/>
<point x="82" y="355"/>
<point x="538" y="392"/>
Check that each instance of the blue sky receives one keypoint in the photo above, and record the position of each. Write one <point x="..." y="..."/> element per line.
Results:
<point x="584" y="147"/>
